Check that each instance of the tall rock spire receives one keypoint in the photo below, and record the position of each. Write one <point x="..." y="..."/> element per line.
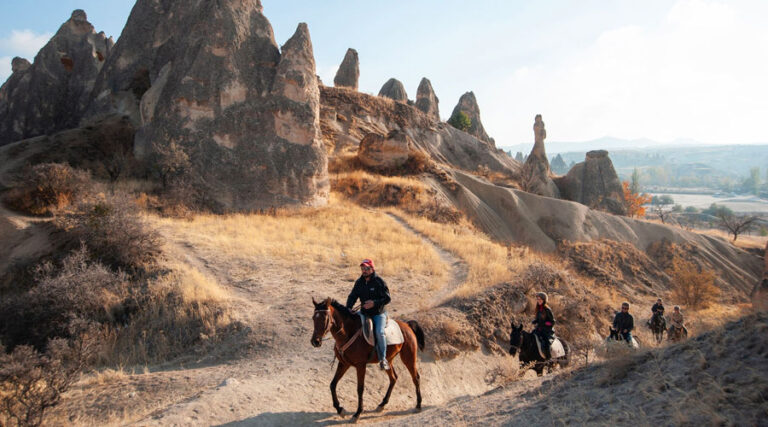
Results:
<point x="52" y="93"/>
<point x="427" y="101"/>
<point x="394" y="89"/>
<point x="349" y="71"/>
<point x="468" y="105"/>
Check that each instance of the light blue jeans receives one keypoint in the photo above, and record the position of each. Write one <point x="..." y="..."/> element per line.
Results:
<point x="379" y="322"/>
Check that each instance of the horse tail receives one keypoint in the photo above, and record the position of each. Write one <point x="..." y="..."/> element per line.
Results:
<point x="418" y="332"/>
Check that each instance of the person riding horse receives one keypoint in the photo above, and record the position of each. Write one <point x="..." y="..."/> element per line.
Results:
<point x="374" y="295"/>
<point x="623" y="323"/>
<point x="677" y="322"/>
<point x="656" y="310"/>
<point x="545" y="322"/>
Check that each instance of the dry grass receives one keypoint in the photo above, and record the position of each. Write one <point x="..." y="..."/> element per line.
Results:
<point x="487" y="260"/>
<point x="744" y="241"/>
<point x="340" y="234"/>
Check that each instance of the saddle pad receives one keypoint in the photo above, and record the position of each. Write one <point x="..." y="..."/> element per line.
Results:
<point x="556" y="348"/>
<point x="392" y="331"/>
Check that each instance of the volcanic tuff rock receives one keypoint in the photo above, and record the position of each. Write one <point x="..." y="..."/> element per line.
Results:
<point x="468" y="104"/>
<point x="594" y="183"/>
<point x="535" y="175"/>
<point x="427" y="101"/>
<point x="385" y="152"/>
<point x="349" y="71"/>
<point x="394" y="89"/>
<point x="209" y="77"/>
<point x="52" y="93"/>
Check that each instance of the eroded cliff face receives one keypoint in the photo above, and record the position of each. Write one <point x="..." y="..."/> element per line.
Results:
<point x="51" y="94"/>
<point x="209" y="78"/>
<point x="349" y="116"/>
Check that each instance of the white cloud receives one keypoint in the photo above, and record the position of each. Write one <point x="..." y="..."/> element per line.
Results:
<point x="700" y="72"/>
<point x="23" y="43"/>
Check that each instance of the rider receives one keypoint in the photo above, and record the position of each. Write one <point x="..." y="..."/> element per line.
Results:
<point x="677" y="320"/>
<point x="374" y="295"/>
<point x="623" y="323"/>
<point x="657" y="308"/>
<point x="544" y="321"/>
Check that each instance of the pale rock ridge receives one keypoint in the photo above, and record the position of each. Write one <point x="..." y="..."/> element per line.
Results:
<point x="394" y="89"/>
<point x="427" y="101"/>
<point x="349" y="71"/>
<point x="536" y="174"/>
<point x="247" y="115"/>
<point x="594" y="183"/>
<point x="52" y="93"/>
<point x="468" y="105"/>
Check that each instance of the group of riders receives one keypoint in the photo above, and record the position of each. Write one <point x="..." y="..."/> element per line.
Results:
<point x="373" y="294"/>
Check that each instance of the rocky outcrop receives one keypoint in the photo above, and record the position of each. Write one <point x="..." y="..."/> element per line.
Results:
<point x="52" y="93"/>
<point x="427" y="101"/>
<point x="468" y="105"/>
<point x="535" y="177"/>
<point x="349" y="71"/>
<point x="594" y="183"/>
<point x="246" y="114"/>
<point x="394" y="89"/>
<point x="385" y="152"/>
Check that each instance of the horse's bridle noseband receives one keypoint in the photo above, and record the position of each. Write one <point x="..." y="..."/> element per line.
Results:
<point x="328" y="322"/>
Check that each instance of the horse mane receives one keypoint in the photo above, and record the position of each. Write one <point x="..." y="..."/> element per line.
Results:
<point x="341" y="308"/>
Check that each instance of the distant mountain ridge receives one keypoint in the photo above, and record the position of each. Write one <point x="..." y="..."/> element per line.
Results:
<point x="613" y="143"/>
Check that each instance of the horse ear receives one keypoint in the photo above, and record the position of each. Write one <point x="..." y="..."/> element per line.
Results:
<point x="314" y="302"/>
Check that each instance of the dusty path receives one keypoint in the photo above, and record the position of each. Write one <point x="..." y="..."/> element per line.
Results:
<point x="285" y="381"/>
<point x="459" y="268"/>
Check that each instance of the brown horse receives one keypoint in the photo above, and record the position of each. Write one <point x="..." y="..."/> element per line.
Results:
<point x="351" y="349"/>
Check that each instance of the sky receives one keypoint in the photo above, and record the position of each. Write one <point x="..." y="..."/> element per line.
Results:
<point x="659" y="69"/>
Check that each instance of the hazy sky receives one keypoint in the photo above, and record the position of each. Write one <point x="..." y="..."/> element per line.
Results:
<point x="658" y="69"/>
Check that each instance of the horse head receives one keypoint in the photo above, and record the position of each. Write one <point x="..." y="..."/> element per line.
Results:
<point x="515" y="339"/>
<point x="323" y="319"/>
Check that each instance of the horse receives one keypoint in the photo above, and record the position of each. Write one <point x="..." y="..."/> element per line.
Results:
<point x="525" y="343"/>
<point x="658" y="325"/>
<point x="352" y="350"/>
<point x="677" y="334"/>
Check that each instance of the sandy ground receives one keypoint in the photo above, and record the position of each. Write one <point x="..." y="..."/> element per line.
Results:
<point x="282" y="380"/>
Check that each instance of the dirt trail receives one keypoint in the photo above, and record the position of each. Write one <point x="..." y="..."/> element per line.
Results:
<point x="285" y="381"/>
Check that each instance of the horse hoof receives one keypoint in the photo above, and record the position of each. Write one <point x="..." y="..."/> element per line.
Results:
<point x="355" y="418"/>
<point x="380" y="408"/>
<point x="342" y="413"/>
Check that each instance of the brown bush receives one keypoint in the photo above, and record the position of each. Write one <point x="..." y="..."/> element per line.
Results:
<point x="693" y="286"/>
<point x="31" y="382"/>
<point x="114" y="232"/>
<point x="47" y="188"/>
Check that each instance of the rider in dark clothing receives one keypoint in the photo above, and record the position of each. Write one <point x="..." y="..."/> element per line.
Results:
<point x="657" y="308"/>
<point x="623" y="323"/>
<point x="544" y="321"/>
<point x="374" y="296"/>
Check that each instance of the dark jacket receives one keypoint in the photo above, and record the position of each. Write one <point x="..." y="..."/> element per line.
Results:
<point x="623" y="321"/>
<point x="544" y="320"/>
<point x="656" y="307"/>
<point x="374" y="289"/>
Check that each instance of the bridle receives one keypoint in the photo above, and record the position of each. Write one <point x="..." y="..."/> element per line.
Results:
<point x="328" y="322"/>
<point x="520" y="343"/>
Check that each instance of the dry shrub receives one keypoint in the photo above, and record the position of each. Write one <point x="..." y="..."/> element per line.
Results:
<point x="48" y="188"/>
<point x="64" y="296"/>
<point x="114" y="231"/>
<point x="692" y="285"/>
<point x="32" y="382"/>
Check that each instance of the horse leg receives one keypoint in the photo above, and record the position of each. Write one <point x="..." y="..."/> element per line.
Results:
<point x="360" y="388"/>
<point x="341" y="369"/>
<point x="392" y="379"/>
<point x="408" y="356"/>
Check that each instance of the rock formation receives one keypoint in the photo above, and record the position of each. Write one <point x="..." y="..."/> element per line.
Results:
<point x="427" y="101"/>
<point x="760" y="293"/>
<point x="394" y="89"/>
<point x="558" y="165"/>
<point x="535" y="176"/>
<point x="245" y="114"/>
<point x="385" y="152"/>
<point x="468" y="104"/>
<point x="52" y="93"/>
<point x="349" y="71"/>
<point x="594" y="183"/>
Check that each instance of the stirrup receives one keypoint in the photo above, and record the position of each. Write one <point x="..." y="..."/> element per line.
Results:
<point x="384" y="365"/>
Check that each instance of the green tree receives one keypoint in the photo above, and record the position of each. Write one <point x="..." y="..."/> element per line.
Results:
<point x="634" y="185"/>
<point x="461" y="121"/>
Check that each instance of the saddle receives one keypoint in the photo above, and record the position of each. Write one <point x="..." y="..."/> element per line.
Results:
<point x="392" y="331"/>
<point x="556" y="348"/>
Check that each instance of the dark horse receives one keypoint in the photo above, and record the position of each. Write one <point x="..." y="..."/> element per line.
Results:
<point x="658" y="326"/>
<point x="351" y="349"/>
<point x="525" y="342"/>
